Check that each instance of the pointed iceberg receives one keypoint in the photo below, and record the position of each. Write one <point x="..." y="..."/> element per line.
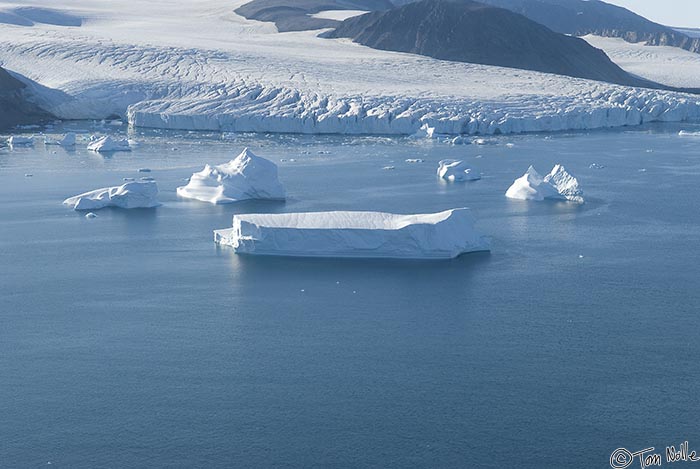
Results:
<point x="565" y="184"/>
<point x="557" y="185"/>
<point x="245" y="177"/>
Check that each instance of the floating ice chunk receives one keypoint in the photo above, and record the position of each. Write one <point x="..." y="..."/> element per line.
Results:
<point x="531" y="186"/>
<point x="483" y="141"/>
<point x="557" y="185"/>
<point x="565" y="184"/>
<point x="389" y="168"/>
<point x="424" y="132"/>
<point x="68" y="140"/>
<point x="596" y="166"/>
<point x="456" y="170"/>
<point x="460" y="140"/>
<point x="18" y="140"/>
<point x="441" y="235"/>
<point x="415" y="160"/>
<point x="245" y="177"/>
<point x="130" y="195"/>
<point x="108" y="144"/>
<point x="687" y="133"/>
<point x="90" y="215"/>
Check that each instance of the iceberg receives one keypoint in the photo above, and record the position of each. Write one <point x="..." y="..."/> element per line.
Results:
<point x="17" y="140"/>
<point x="245" y="177"/>
<point x="107" y="144"/>
<point x="130" y="195"/>
<point x="456" y="170"/>
<point x="68" y="140"/>
<point x="442" y="235"/>
<point x="565" y="184"/>
<point x="557" y="185"/>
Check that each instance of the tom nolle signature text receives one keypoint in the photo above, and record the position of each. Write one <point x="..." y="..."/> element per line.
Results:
<point x="623" y="458"/>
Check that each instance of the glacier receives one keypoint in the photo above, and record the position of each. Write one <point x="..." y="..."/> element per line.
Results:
<point x="202" y="67"/>
<point x="442" y="235"/>
<point x="130" y="195"/>
<point x="245" y="177"/>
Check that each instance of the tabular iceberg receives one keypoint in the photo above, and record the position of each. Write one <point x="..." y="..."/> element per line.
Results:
<point x="456" y="170"/>
<point x="442" y="235"/>
<point x="246" y="177"/>
<point x="107" y="144"/>
<point x="557" y="185"/>
<point x="129" y="195"/>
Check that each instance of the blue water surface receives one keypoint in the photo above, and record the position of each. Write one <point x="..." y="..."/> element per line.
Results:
<point x="132" y="340"/>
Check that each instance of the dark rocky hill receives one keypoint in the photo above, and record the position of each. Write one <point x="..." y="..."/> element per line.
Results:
<point x="468" y="31"/>
<point x="581" y="17"/>
<point x="294" y="15"/>
<point x="15" y="108"/>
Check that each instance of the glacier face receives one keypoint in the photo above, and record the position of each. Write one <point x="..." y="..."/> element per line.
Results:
<point x="442" y="235"/>
<point x="198" y="66"/>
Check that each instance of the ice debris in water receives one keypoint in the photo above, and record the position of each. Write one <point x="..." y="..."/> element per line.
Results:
<point x="456" y="170"/>
<point x="108" y="144"/>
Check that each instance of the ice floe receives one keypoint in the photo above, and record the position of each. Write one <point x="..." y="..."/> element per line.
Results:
<point x="108" y="144"/>
<point x="20" y="141"/>
<point x="557" y="185"/>
<point x="456" y="170"/>
<point x="130" y="195"/>
<point x="442" y="235"/>
<point x="245" y="177"/>
<point x="68" y="140"/>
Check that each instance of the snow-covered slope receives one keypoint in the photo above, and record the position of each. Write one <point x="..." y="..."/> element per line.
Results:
<point x="197" y="65"/>
<point x="663" y="64"/>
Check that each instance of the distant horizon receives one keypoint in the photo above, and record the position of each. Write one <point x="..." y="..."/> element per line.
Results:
<point x="676" y="13"/>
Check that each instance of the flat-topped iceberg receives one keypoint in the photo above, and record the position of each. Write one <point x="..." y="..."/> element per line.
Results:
<point x="557" y="185"/>
<point x="442" y="235"/>
<point x="130" y="195"/>
<point x="456" y="170"/>
<point x="246" y="177"/>
<point x="108" y="144"/>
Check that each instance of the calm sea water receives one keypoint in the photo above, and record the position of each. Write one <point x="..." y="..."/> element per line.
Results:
<point x="132" y="340"/>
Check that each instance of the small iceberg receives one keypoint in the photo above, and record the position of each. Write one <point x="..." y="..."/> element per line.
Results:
<point x="688" y="133"/>
<point x="108" y="144"/>
<point x="557" y="185"/>
<point x="245" y="177"/>
<point x="460" y="140"/>
<point x="19" y="141"/>
<point x="130" y="195"/>
<point x="68" y="140"/>
<point x="424" y="132"/>
<point x="456" y="170"/>
<point x="442" y="235"/>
